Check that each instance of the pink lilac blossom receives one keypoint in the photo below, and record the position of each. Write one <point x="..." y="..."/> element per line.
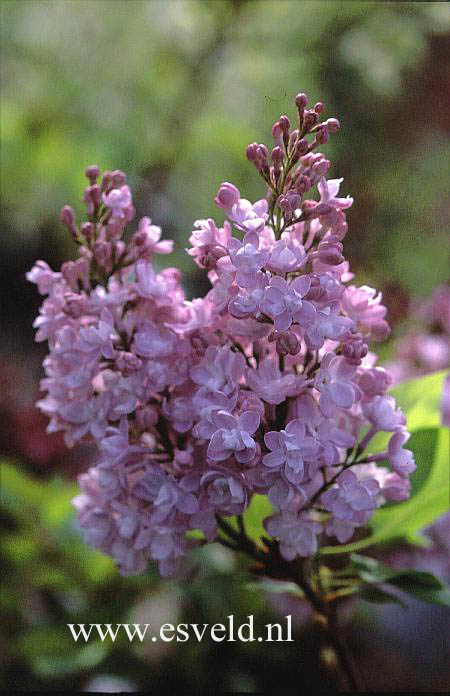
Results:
<point x="265" y="386"/>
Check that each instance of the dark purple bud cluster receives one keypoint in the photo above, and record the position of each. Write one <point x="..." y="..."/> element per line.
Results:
<point x="294" y="168"/>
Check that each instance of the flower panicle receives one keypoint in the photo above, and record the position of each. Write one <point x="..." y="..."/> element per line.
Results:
<point x="267" y="385"/>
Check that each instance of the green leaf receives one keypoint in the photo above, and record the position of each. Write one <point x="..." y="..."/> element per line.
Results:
<point x="423" y="586"/>
<point x="418" y="583"/>
<point x="371" y="570"/>
<point x="420" y="399"/>
<point x="23" y="493"/>
<point x="276" y="587"/>
<point x="377" y="595"/>
<point x="423" y="443"/>
<point x="257" y="511"/>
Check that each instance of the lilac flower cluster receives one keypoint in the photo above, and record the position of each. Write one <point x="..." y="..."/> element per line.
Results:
<point x="265" y="386"/>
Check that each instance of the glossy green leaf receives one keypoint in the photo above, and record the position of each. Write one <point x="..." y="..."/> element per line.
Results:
<point x="275" y="587"/>
<point x="423" y="586"/>
<point x="418" y="583"/>
<point x="420" y="399"/>
<point x="377" y="595"/>
<point x="259" y="508"/>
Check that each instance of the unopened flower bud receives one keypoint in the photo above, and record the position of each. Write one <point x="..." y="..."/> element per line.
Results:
<point x="322" y="135"/>
<point x="294" y="199"/>
<point x="227" y="196"/>
<point x="106" y="180"/>
<point x="263" y="152"/>
<point x="329" y="251"/>
<point x="380" y="331"/>
<point x="92" y="173"/>
<point x="321" y="167"/>
<point x="301" y="100"/>
<point x="87" y="230"/>
<point x="277" y="133"/>
<point x="303" y="184"/>
<point x="333" y="125"/>
<point x="128" y="363"/>
<point x="277" y="155"/>
<point x="310" y="119"/>
<point x="92" y="195"/>
<point x="288" y="343"/>
<point x="258" y="154"/>
<point x="252" y="152"/>
<point x="289" y="202"/>
<point x="67" y="216"/>
<point x="318" y="108"/>
<point x="354" y="349"/>
<point x="76" y="273"/>
<point x="118" y="248"/>
<point x="102" y="252"/>
<point x="301" y="147"/>
<point x="307" y="160"/>
<point x="118" y="177"/>
<point x="285" y="123"/>
<point x="182" y="460"/>
<point x="292" y="139"/>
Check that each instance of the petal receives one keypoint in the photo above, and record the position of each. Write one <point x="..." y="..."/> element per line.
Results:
<point x="323" y="189"/>
<point x="279" y="493"/>
<point x="283" y="321"/>
<point x="326" y="404"/>
<point x="342" y="394"/>
<point x="296" y="428"/>
<point x="249" y="421"/>
<point x="342" y="369"/>
<point x="279" y="283"/>
<point x="306" y="314"/>
<point x="333" y="187"/>
<point x="223" y="419"/>
<point x="246" y="455"/>
<point x="274" y="459"/>
<point x="187" y="503"/>
<point x="272" y="440"/>
<point x="301" y="285"/>
<point x="341" y="437"/>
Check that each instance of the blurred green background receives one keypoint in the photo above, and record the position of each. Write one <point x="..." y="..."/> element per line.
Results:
<point x="172" y="92"/>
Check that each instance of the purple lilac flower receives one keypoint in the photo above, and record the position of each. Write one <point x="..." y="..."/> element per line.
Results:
<point x="247" y="257"/>
<point x="118" y="200"/>
<point x="334" y="382"/>
<point x="234" y="436"/>
<point x="363" y="305"/>
<point x="297" y="533"/>
<point x="261" y="387"/>
<point x="350" y="496"/>
<point x="401" y="460"/>
<point x="292" y="451"/>
<point x="284" y="302"/>
<point x="381" y="412"/>
<point x="271" y="385"/>
<point x="327" y="324"/>
<point x="219" y="370"/>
